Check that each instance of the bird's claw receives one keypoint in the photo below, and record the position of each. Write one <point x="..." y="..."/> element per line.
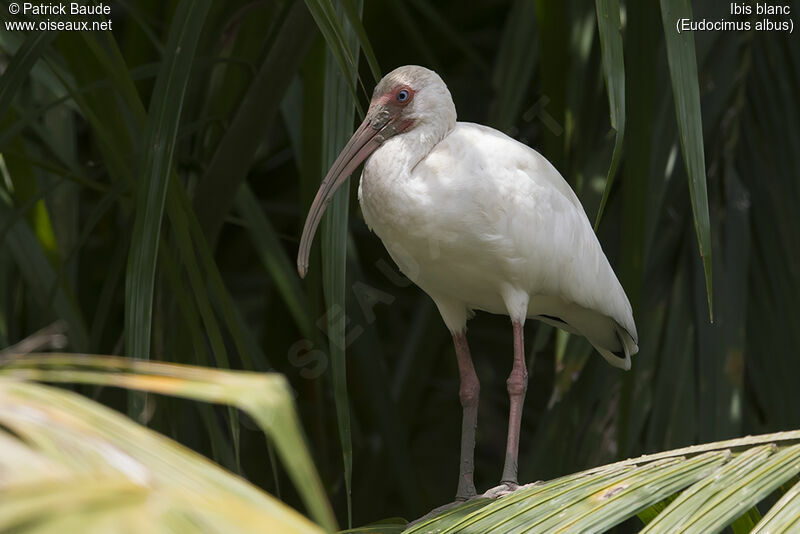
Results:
<point x="498" y="491"/>
<point x="504" y="489"/>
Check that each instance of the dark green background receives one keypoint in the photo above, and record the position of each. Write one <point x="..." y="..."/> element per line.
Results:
<point x="75" y="148"/>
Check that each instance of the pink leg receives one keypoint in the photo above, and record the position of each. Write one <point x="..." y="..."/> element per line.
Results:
<point x="517" y="384"/>
<point x="469" y="392"/>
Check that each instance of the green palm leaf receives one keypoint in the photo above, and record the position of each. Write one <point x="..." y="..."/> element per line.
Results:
<point x="614" y="67"/>
<point x="103" y="442"/>
<point x="130" y="478"/>
<point x="133" y="479"/>
<point x="159" y="141"/>
<point x="717" y="483"/>
<point x="686" y="88"/>
<point x="337" y="121"/>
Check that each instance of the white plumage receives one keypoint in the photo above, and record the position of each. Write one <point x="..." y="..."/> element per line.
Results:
<point x="479" y="221"/>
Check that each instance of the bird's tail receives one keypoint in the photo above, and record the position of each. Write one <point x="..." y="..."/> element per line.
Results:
<point x="620" y="358"/>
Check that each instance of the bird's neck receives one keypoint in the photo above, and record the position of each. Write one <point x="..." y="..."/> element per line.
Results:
<point x="406" y="150"/>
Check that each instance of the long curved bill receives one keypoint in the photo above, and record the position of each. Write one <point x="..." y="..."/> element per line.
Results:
<point x="358" y="148"/>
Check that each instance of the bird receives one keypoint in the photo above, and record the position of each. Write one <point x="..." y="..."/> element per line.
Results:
<point x="479" y="221"/>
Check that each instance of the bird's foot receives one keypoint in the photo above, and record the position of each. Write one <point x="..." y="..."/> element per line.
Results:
<point x="504" y="489"/>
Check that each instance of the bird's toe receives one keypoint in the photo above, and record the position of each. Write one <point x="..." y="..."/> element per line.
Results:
<point x="505" y="488"/>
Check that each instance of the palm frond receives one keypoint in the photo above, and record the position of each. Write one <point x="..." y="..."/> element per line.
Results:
<point x="130" y="477"/>
<point x="126" y="449"/>
<point x="72" y="465"/>
<point x="715" y="484"/>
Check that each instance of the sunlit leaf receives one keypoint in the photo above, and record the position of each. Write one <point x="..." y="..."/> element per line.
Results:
<point x="264" y="397"/>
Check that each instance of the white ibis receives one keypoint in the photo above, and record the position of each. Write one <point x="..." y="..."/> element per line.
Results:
<point x="479" y="221"/>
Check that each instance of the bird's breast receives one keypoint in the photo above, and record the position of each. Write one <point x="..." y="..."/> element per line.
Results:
<point x="431" y="229"/>
<point x="396" y="206"/>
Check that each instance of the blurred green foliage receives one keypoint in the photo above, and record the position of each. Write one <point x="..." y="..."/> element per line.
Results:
<point x="86" y="122"/>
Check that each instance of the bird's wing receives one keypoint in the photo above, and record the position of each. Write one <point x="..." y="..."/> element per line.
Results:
<point x="534" y="220"/>
<point x="520" y="156"/>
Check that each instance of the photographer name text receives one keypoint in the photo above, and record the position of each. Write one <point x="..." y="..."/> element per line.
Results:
<point x="59" y="16"/>
<point x="73" y="8"/>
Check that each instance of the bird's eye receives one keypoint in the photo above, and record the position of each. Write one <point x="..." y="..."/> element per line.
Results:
<point x="402" y="96"/>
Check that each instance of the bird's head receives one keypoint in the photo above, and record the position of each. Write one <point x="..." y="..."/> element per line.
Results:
<point x="411" y="96"/>
<point x="404" y="101"/>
